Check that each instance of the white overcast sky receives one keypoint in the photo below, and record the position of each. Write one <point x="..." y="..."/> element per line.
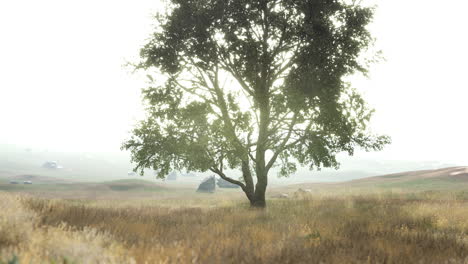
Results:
<point x="63" y="85"/>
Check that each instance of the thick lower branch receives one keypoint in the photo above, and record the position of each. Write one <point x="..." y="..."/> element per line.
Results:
<point x="247" y="175"/>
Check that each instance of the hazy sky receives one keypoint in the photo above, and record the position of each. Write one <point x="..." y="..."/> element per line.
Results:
<point x="63" y="85"/>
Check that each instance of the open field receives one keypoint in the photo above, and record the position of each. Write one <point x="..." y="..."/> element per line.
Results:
<point x="386" y="228"/>
<point x="386" y="219"/>
<point x="180" y="226"/>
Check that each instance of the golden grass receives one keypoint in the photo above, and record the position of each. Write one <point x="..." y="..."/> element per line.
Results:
<point x="372" y="228"/>
<point x="21" y="234"/>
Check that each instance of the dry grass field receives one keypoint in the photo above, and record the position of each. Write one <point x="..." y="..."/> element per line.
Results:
<point x="383" y="227"/>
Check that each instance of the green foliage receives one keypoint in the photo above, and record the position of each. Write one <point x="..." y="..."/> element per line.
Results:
<point x="254" y="82"/>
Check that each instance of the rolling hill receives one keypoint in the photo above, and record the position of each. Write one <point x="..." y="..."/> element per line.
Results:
<point x="452" y="178"/>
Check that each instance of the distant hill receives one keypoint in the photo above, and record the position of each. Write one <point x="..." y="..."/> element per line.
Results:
<point x="132" y="185"/>
<point x="54" y="188"/>
<point x="16" y="161"/>
<point x="452" y="174"/>
<point x="453" y="178"/>
<point x="80" y="167"/>
<point x="36" y="179"/>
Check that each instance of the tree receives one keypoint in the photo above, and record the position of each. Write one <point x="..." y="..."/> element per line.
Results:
<point x="252" y="85"/>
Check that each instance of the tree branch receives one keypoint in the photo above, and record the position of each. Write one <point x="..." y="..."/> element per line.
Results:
<point x="226" y="178"/>
<point x="281" y="147"/>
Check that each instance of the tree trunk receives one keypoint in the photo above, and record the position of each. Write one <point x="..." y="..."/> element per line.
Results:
<point x="258" y="200"/>
<point x="261" y="171"/>
<point x="260" y="204"/>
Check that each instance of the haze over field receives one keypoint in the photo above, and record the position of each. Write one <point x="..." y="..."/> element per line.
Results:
<point x="64" y="88"/>
<point x="105" y="166"/>
<point x="238" y="92"/>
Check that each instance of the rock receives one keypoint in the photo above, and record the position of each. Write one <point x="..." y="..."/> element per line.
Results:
<point x="225" y="184"/>
<point x="300" y="190"/>
<point x="302" y="193"/>
<point x="51" y="165"/>
<point x="282" y="196"/>
<point x="208" y="185"/>
<point x="172" y="176"/>
<point x="27" y="182"/>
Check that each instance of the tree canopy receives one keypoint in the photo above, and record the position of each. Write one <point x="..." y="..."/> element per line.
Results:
<point x="252" y="85"/>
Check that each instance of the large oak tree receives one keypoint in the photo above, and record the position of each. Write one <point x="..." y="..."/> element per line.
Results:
<point x="253" y="85"/>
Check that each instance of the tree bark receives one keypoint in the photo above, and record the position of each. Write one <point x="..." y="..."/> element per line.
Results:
<point x="258" y="200"/>
<point x="261" y="170"/>
<point x="247" y="175"/>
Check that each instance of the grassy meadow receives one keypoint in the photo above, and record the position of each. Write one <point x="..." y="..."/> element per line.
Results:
<point x="375" y="227"/>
